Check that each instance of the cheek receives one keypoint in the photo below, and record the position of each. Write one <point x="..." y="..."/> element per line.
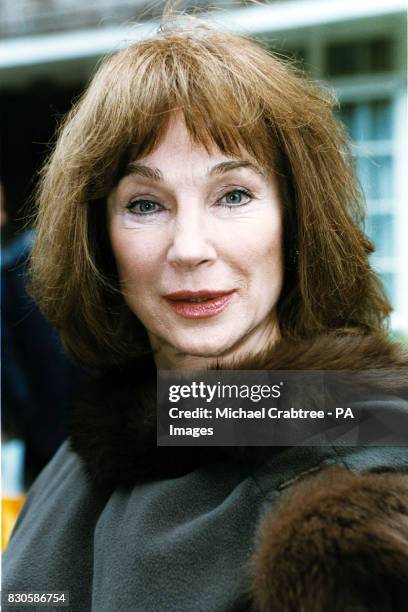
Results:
<point x="270" y="238"/>
<point x="273" y="249"/>
<point x="268" y="268"/>
<point x="264" y="266"/>
<point x="135" y="254"/>
<point x="258" y="249"/>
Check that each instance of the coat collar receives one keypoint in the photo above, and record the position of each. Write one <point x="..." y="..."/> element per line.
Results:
<point x="113" y="423"/>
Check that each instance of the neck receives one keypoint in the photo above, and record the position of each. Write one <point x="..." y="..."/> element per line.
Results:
<point x="168" y="357"/>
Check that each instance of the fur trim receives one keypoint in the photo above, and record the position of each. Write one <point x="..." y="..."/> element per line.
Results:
<point x="113" y="423"/>
<point x="337" y="541"/>
<point x="113" y="429"/>
<point x="333" y="352"/>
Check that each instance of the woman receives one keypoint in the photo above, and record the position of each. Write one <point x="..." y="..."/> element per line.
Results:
<point x="199" y="211"/>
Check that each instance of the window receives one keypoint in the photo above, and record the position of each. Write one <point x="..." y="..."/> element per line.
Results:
<point x="359" y="57"/>
<point x="370" y="124"/>
<point x="367" y="72"/>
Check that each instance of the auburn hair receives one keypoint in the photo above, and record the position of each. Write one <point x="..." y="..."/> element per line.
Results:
<point x="233" y="93"/>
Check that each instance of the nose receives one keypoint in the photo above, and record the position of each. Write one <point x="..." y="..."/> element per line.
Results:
<point x="191" y="240"/>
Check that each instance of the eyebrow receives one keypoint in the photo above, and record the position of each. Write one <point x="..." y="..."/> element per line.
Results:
<point x="154" y="174"/>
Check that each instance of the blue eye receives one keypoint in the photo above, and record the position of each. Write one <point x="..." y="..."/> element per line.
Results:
<point x="235" y="198"/>
<point x="232" y="199"/>
<point x="143" y="207"/>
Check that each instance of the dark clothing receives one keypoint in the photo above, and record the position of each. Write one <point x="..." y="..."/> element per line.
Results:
<point x="172" y="545"/>
<point x="214" y="534"/>
<point x="38" y="380"/>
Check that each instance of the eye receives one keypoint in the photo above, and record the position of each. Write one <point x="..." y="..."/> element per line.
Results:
<point x="143" y="207"/>
<point x="236" y="197"/>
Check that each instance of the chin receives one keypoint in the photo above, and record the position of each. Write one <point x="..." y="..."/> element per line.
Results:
<point x="205" y="347"/>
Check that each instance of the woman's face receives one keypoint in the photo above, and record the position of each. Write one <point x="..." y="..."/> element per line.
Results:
<point x="197" y="238"/>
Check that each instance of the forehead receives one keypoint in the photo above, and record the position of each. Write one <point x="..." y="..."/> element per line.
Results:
<point x="177" y="151"/>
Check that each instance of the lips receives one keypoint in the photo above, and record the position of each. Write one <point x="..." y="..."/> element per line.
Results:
<point x="191" y="295"/>
<point x="199" y="304"/>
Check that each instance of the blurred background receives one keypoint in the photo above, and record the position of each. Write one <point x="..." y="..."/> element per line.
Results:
<point x="48" y="52"/>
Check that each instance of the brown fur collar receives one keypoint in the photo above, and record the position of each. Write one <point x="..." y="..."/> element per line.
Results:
<point x="113" y="423"/>
<point x="337" y="541"/>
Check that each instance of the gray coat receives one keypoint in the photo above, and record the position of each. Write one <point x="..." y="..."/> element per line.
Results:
<point x="210" y="535"/>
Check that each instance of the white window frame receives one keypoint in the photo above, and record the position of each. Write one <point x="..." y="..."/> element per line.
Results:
<point x="357" y="88"/>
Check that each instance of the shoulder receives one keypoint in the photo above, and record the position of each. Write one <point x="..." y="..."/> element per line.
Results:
<point x="336" y="540"/>
<point x="61" y="488"/>
<point x="62" y="473"/>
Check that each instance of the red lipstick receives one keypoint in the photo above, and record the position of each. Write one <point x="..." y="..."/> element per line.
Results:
<point x="198" y="304"/>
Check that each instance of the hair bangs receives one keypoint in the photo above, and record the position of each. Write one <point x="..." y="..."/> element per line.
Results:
<point x="219" y="108"/>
